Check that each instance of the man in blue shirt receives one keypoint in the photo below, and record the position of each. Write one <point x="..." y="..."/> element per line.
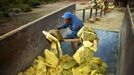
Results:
<point x="73" y="22"/>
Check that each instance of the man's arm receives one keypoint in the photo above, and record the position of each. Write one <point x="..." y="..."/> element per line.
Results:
<point x="63" y="26"/>
<point x="76" y="28"/>
<point x="71" y="35"/>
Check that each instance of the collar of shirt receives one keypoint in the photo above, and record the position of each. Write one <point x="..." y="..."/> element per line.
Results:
<point x="70" y="26"/>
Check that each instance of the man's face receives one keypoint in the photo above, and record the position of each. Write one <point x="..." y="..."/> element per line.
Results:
<point x="67" y="20"/>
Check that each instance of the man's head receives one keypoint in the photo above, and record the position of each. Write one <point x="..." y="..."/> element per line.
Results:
<point x="67" y="17"/>
<point x="67" y="20"/>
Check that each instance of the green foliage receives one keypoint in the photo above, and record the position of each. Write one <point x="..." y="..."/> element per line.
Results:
<point x="4" y="14"/>
<point x="48" y="1"/>
<point x="15" y="10"/>
<point x="33" y="3"/>
<point x="26" y="8"/>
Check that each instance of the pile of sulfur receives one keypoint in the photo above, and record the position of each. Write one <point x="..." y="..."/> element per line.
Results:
<point x="83" y="61"/>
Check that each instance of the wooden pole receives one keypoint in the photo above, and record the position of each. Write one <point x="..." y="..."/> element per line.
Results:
<point x="101" y="11"/>
<point x="96" y="6"/>
<point x="91" y="10"/>
<point x="83" y="15"/>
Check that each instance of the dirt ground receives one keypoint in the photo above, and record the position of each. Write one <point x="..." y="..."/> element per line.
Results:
<point x="111" y="21"/>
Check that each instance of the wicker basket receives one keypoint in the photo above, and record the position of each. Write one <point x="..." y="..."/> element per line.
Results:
<point x="56" y="33"/>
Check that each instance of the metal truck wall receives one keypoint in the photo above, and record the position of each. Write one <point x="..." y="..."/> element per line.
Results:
<point x="19" y="47"/>
<point x="126" y="56"/>
<point x="108" y="47"/>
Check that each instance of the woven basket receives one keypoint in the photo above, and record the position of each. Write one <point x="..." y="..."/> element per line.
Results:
<point x="56" y="33"/>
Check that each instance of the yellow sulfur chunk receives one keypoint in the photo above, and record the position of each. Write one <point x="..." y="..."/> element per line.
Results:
<point x="36" y="61"/>
<point x="88" y="28"/>
<point x="94" y="72"/>
<point x="54" y="48"/>
<point x="93" y="65"/>
<point x="84" y="28"/>
<point x="104" y="65"/>
<point x="40" y="58"/>
<point x="41" y="69"/>
<point x="102" y="69"/>
<point x="66" y="58"/>
<point x="67" y="72"/>
<point x="111" y="6"/>
<point x="20" y="73"/>
<point x="30" y="71"/>
<point x="95" y="45"/>
<point x="51" y="58"/>
<point x="54" y="45"/>
<point x="76" y="71"/>
<point x="88" y="36"/>
<point x="83" y="54"/>
<point x="97" y="60"/>
<point x="100" y="74"/>
<point x="87" y="68"/>
<point x="87" y="74"/>
<point x="80" y="32"/>
<point x="35" y="66"/>
<point x="84" y="68"/>
<point x="67" y="62"/>
<point x="87" y="44"/>
<point x="54" y="70"/>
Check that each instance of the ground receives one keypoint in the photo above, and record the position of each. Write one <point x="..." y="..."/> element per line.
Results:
<point x="111" y="21"/>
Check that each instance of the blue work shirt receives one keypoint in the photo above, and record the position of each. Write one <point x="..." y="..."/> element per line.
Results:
<point x="75" y="26"/>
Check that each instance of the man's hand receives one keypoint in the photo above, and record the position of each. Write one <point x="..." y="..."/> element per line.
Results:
<point x="62" y="40"/>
